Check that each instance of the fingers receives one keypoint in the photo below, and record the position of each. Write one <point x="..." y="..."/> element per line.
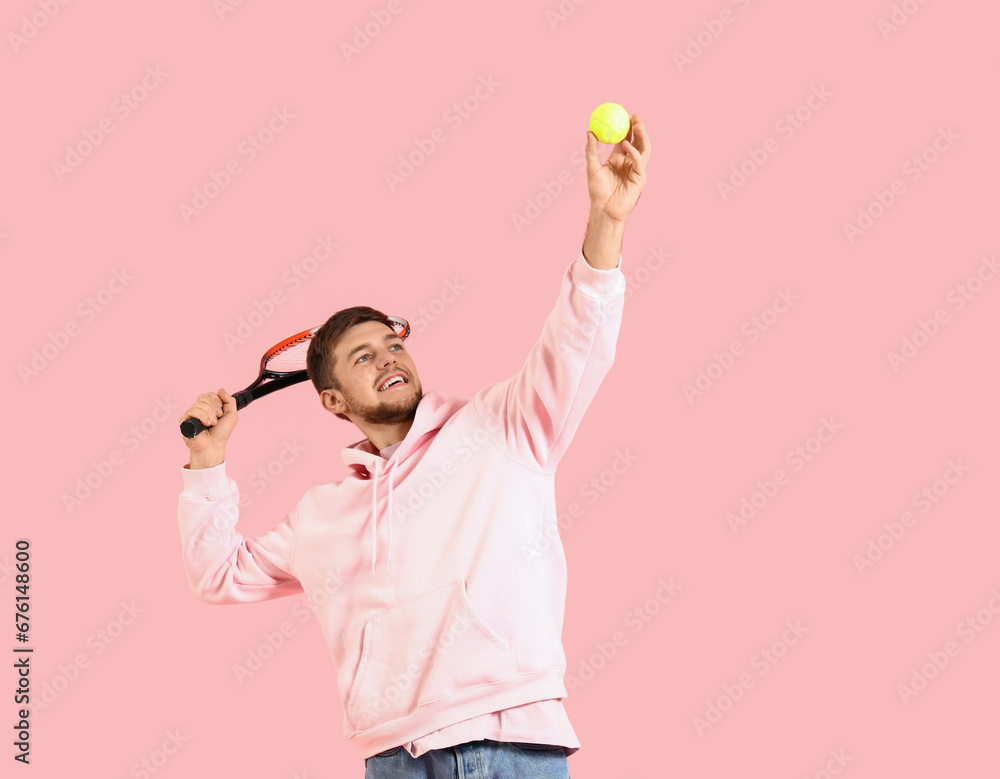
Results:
<point x="593" y="155"/>
<point x="228" y="401"/>
<point x="638" y="150"/>
<point x="207" y="409"/>
<point x="640" y="138"/>
<point x="638" y="160"/>
<point x="228" y="409"/>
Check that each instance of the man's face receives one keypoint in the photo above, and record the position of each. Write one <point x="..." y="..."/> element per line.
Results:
<point x="368" y="355"/>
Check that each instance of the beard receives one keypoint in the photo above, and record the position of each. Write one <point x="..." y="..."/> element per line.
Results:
<point x="386" y="412"/>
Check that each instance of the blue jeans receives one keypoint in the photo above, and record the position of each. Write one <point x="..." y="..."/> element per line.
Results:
<point x="474" y="760"/>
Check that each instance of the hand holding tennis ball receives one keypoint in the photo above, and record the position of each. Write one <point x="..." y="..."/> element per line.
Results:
<point x="615" y="186"/>
<point x="610" y="123"/>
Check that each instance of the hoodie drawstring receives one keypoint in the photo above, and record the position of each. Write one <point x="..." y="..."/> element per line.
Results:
<point x="374" y="514"/>
<point x="375" y="476"/>
<point x="390" y="518"/>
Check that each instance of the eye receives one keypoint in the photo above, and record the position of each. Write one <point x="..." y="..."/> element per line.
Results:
<point x="391" y="346"/>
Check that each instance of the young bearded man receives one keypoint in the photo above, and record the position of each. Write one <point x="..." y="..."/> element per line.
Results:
<point x="445" y="633"/>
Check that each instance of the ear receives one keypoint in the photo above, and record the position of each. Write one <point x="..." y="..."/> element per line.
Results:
<point x="333" y="401"/>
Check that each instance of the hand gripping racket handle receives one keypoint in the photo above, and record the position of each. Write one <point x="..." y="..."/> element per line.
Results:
<point x="191" y="427"/>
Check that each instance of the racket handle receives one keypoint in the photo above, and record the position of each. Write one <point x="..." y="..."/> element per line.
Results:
<point x="190" y="427"/>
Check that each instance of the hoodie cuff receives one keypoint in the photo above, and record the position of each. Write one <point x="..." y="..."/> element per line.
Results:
<point x="598" y="283"/>
<point x="205" y="482"/>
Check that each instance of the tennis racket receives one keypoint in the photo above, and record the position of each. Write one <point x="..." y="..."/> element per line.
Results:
<point x="283" y="365"/>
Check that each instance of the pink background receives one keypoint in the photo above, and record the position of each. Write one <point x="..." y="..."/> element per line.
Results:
<point x="120" y="686"/>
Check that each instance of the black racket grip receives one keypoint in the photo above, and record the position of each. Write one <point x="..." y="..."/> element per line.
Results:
<point x="190" y="427"/>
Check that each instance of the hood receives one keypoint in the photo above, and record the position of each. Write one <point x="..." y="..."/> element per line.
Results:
<point x="435" y="408"/>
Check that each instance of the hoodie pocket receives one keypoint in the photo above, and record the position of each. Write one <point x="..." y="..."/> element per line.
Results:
<point x="421" y="651"/>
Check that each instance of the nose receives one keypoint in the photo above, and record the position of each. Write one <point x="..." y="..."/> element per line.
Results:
<point x="386" y="357"/>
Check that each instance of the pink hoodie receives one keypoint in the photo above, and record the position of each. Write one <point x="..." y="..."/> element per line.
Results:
<point x="427" y="572"/>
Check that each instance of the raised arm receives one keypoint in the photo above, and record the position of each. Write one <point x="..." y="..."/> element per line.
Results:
<point x="614" y="190"/>
<point x="222" y="566"/>
<point x="535" y="414"/>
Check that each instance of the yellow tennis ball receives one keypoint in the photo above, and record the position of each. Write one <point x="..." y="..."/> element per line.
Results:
<point x="610" y="123"/>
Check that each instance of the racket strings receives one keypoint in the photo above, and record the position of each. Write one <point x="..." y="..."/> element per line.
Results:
<point x="289" y="356"/>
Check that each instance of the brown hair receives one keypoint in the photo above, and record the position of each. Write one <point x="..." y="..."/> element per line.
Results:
<point x="320" y="357"/>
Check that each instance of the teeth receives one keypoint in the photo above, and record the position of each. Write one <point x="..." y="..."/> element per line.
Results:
<point x="391" y="382"/>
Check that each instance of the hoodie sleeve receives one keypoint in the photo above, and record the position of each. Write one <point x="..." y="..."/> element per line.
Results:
<point x="222" y="566"/>
<point x="535" y="413"/>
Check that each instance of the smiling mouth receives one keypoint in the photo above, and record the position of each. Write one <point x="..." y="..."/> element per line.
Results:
<point x="402" y="383"/>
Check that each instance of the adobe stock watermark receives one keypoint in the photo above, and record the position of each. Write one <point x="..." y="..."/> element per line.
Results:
<point x="86" y="312"/>
<point x="427" y="314"/>
<point x="638" y="277"/>
<point x="753" y="328"/>
<point x="969" y="629"/>
<point x="272" y="470"/>
<point x="710" y="31"/>
<point x="120" y="110"/>
<point x="561" y="13"/>
<point x="927" y="329"/>
<point x="787" y="126"/>
<point x="412" y="498"/>
<point x="101" y="470"/>
<point x="768" y="488"/>
<point x="914" y="169"/>
<point x="223" y="8"/>
<point x="402" y="684"/>
<point x="924" y="500"/>
<point x="248" y="150"/>
<point x="454" y="117"/>
<point x="301" y="271"/>
<point x="32" y="25"/>
<point x="549" y="190"/>
<point x="273" y="640"/>
<point x="7" y="569"/>
<point x="226" y="514"/>
<point x="380" y="19"/>
<point x="834" y="765"/>
<point x="636" y="619"/>
<point x="150" y="763"/>
<point x="762" y="662"/>
<point x="901" y="14"/>
<point x="96" y="645"/>
<point x="591" y="491"/>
